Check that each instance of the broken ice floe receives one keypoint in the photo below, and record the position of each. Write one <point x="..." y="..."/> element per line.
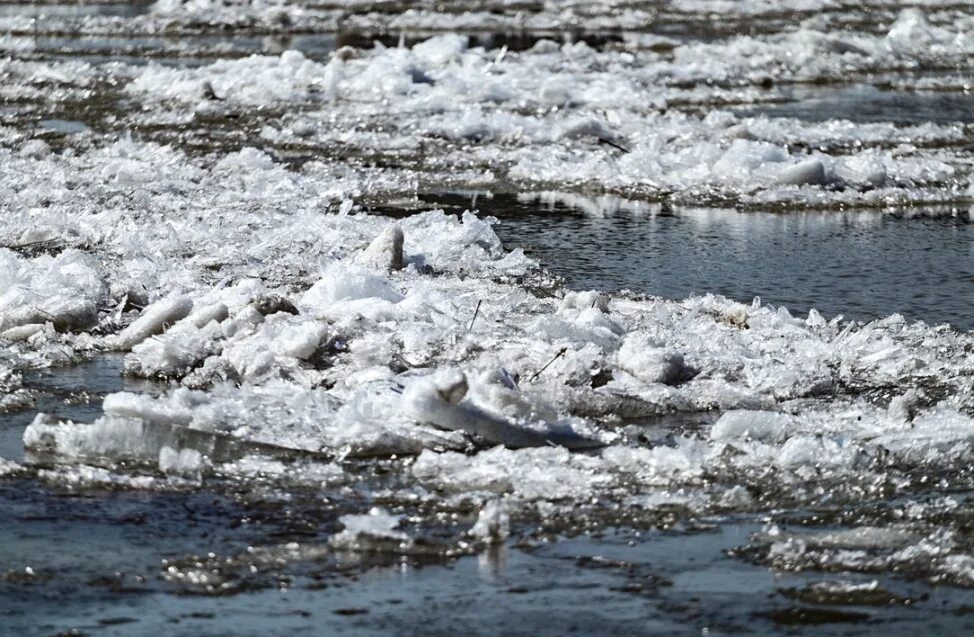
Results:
<point x="360" y="360"/>
<point x="363" y="344"/>
<point x="528" y="117"/>
<point x="386" y="363"/>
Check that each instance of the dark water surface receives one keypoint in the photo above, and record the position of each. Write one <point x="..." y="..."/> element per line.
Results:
<point x="865" y="103"/>
<point x="96" y="559"/>
<point x="72" y="393"/>
<point x="862" y="265"/>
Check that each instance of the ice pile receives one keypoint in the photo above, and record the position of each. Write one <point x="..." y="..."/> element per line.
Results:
<point x="289" y="325"/>
<point x="660" y="122"/>
<point x="442" y="363"/>
<point x="64" y="290"/>
<point x="571" y="116"/>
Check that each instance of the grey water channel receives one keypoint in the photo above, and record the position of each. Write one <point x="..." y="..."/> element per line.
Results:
<point x="863" y="265"/>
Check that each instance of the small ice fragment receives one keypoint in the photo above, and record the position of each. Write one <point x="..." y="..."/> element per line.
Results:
<point x="35" y="149"/>
<point x="346" y="53"/>
<point x="300" y="340"/>
<point x="837" y="45"/>
<point x="740" y="131"/>
<point x="493" y="524"/>
<point x="21" y="332"/>
<point x="182" y="462"/>
<point x="737" y="497"/>
<point x="815" y="319"/>
<point x="811" y="172"/>
<point x="126" y="405"/>
<point x="428" y="400"/>
<point x="377" y="524"/>
<point x="451" y="384"/>
<point x="154" y="320"/>
<point x="497" y="392"/>
<point x="343" y="283"/>
<point x="8" y="467"/>
<point x="862" y="170"/>
<point x="591" y="127"/>
<point x="585" y="300"/>
<point x="267" y="304"/>
<point x="908" y="31"/>
<point x="641" y="357"/>
<point x="385" y="251"/>
<point x="65" y="316"/>
<point x="303" y="128"/>
<point x="247" y="317"/>
<point x="201" y="317"/>
<point x="128" y="296"/>
<point x="739" y="424"/>
<point x="442" y="49"/>
<point x="816" y="451"/>
<point x="901" y="408"/>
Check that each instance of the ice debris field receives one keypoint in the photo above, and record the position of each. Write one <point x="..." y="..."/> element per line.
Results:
<point x="200" y="211"/>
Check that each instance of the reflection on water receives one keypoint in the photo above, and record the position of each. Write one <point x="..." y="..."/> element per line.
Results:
<point x="492" y="563"/>
<point x="863" y="103"/>
<point x="65" y="126"/>
<point x="861" y="264"/>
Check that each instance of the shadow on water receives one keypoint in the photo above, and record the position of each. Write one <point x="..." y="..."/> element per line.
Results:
<point x="863" y="265"/>
<point x="489" y="40"/>
<point x="199" y="49"/>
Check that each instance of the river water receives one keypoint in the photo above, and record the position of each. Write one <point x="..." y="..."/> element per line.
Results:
<point x="861" y="265"/>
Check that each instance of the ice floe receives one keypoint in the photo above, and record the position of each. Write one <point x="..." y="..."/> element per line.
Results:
<point x="533" y="118"/>
<point x="284" y="327"/>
